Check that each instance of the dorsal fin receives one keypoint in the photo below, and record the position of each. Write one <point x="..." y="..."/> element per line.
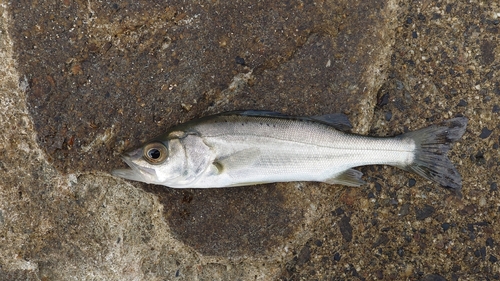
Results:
<point x="259" y="113"/>
<point x="339" y="121"/>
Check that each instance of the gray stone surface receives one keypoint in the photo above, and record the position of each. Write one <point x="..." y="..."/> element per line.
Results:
<point x="82" y="81"/>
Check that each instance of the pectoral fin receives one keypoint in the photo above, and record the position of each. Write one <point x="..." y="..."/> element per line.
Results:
<point x="349" y="177"/>
<point x="239" y="160"/>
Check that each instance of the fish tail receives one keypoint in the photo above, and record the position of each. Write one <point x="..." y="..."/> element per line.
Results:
<point x="431" y="147"/>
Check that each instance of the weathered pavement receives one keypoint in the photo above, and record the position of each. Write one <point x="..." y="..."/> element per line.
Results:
<point x="82" y="81"/>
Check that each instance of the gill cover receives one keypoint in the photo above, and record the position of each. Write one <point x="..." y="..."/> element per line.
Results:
<point x="187" y="158"/>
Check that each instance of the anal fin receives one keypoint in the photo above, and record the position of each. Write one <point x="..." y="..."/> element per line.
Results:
<point x="349" y="177"/>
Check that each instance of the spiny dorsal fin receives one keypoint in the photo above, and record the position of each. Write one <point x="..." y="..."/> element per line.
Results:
<point x="339" y="121"/>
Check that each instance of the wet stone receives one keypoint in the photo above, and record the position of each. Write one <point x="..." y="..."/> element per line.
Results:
<point x="383" y="100"/>
<point x="481" y="252"/>
<point x="401" y="252"/>
<point x="240" y="60"/>
<point x="433" y="277"/>
<point x="405" y="209"/>
<point x="488" y="51"/>
<point x="388" y="116"/>
<point x="436" y="16"/>
<point x="425" y="212"/>
<point x="478" y="158"/>
<point x="325" y="260"/>
<point x="445" y="226"/>
<point x="381" y="240"/>
<point x="399" y="85"/>
<point x="346" y="228"/>
<point x="371" y="195"/>
<point x="411" y="182"/>
<point x="304" y="255"/>
<point x="462" y="103"/>
<point x="493" y="186"/>
<point x="485" y="133"/>
<point x="338" y="212"/>
<point x="449" y="8"/>
<point x="490" y="243"/>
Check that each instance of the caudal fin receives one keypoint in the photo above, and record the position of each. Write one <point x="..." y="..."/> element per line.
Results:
<point x="432" y="144"/>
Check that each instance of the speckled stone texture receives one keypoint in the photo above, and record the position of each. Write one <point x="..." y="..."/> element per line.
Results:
<point x="81" y="81"/>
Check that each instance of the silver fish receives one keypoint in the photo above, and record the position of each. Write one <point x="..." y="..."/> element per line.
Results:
<point x="253" y="147"/>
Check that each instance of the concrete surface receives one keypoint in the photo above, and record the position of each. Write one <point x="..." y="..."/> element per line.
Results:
<point x="82" y="81"/>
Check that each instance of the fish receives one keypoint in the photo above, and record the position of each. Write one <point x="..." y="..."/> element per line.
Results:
<point x="241" y="148"/>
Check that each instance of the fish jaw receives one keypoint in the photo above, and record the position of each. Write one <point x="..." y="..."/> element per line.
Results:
<point x="128" y="174"/>
<point x="136" y="172"/>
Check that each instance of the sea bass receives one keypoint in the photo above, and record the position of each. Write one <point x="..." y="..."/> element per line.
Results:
<point x="253" y="147"/>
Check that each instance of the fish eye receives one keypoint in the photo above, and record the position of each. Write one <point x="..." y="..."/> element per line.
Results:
<point x="155" y="153"/>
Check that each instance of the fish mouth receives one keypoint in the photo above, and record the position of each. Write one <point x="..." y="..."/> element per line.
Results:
<point x="136" y="172"/>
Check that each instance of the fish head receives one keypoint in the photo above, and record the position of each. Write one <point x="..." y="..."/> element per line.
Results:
<point x="155" y="162"/>
<point x="174" y="162"/>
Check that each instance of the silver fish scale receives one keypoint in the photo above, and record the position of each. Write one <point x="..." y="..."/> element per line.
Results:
<point x="251" y="147"/>
<point x="295" y="149"/>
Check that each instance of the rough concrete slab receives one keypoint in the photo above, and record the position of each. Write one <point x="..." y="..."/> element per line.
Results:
<point x="82" y="81"/>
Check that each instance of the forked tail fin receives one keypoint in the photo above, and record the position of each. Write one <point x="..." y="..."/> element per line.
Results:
<point x="431" y="147"/>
